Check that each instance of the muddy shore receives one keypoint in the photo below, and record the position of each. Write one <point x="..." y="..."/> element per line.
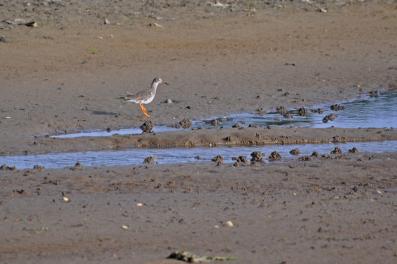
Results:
<point x="66" y="72"/>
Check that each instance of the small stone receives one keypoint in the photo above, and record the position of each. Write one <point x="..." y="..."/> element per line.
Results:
<point x="66" y="199"/>
<point x="302" y="111"/>
<point x="330" y="117"/>
<point x="337" y="107"/>
<point x="317" y="110"/>
<point x="274" y="156"/>
<point x="149" y="160"/>
<point x="6" y="167"/>
<point x="218" y="160"/>
<point x="336" y="151"/>
<point x="315" y="154"/>
<point x="295" y="151"/>
<point x="374" y="93"/>
<point x="237" y="125"/>
<point x="168" y="101"/>
<point x="256" y="156"/>
<point x="106" y="21"/>
<point x="353" y="150"/>
<point x="147" y="126"/>
<point x="281" y="110"/>
<point x="38" y="167"/>
<point x="3" y="39"/>
<point x="125" y="227"/>
<point x="185" y="123"/>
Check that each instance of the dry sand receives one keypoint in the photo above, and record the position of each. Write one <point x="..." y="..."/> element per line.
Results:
<point x="66" y="74"/>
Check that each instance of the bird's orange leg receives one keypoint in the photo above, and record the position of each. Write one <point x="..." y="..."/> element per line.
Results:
<point x="144" y="110"/>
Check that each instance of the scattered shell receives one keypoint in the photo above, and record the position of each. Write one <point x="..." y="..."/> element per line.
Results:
<point x="154" y="24"/>
<point x="7" y="117"/>
<point x="168" y="101"/>
<point x="139" y="204"/>
<point x="125" y="227"/>
<point x="229" y="223"/>
<point x="66" y="199"/>
<point x="106" y="21"/>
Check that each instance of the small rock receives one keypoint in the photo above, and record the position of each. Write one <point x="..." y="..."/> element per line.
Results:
<point x="218" y="160"/>
<point x="147" y="126"/>
<point x="317" y="110"/>
<point x="330" y="117"/>
<point x="304" y="158"/>
<point x="274" y="156"/>
<point x="315" y="154"/>
<point x="3" y="39"/>
<point x="256" y="156"/>
<point x="168" y="101"/>
<point x="337" y="107"/>
<point x="149" y="160"/>
<point x="237" y="125"/>
<point x="106" y="21"/>
<point x="374" y="93"/>
<point x="336" y="151"/>
<point x="185" y="123"/>
<point x="295" y="151"/>
<point x="6" y="167"/>
<point x="281" y="110"/>
<point x="353" y="150"/>
<point x="38" y="167"/>
<point x="302" y="111"/>
<point x="77" y="165"/>
<point x="229" y="224"/>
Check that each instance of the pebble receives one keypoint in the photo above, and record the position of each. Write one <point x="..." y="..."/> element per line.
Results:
<point x="3" y="39"/>
<point x="218" y="160"/>
<point x="330" y="117"/>
<point x="256" y="156"/>
<point x="337" y="107"/>
<point x="147" y="126"/>
<point x="274" y="156"/>
<point x="295" y="151"/>
<point x="185" y="123"/>
<point x="149" y="160"/>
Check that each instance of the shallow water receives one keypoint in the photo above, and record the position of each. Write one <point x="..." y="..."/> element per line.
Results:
<point x="180" y="155"/>
<point x="368" y="112"/>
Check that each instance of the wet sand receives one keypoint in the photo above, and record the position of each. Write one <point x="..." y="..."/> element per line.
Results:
<point x="66" y="74"/>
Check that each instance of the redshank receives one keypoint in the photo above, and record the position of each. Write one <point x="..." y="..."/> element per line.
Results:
<point x="145" y="96"/>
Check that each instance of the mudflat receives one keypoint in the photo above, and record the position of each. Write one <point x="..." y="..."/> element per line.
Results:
<point x="66" y="72"/>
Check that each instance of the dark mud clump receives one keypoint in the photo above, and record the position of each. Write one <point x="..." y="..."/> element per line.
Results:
<point x="218" y="159"/>
<point x="274" y="156"/>
<point x="147" y="126"/>
<point x="149" y="160"/>
<point x="353" y="150"/>
<point x="336" y="151"/>
<point x="337" y="107"/>
<point x="256" y="156"/>
<point x="185" y="123"/>
<point x="302" y="111"/>
<point x="330" y="117"/>
<point x="295" y="151"/>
